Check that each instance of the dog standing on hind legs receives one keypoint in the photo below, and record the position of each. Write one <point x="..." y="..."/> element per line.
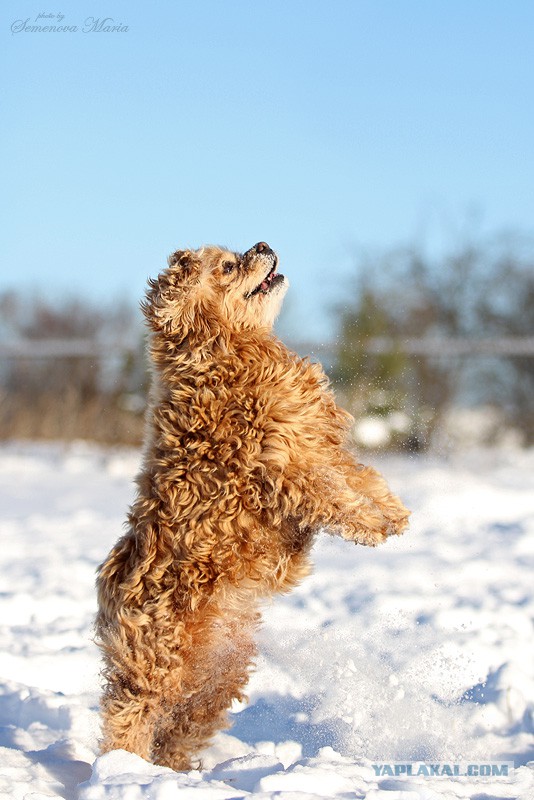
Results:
<point x="246" y="459"/>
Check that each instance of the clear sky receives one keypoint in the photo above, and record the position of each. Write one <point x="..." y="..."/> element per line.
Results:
<point x="319" y="126"/>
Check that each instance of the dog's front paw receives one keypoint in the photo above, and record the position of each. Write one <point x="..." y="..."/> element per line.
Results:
<point x="369" y="527"/>
<point x="398" y="517"/>
<point x="398" y="525"/>
<point x="373" y="525"/>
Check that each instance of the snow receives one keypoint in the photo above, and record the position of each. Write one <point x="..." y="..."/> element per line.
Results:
<point x="418" y="651"/>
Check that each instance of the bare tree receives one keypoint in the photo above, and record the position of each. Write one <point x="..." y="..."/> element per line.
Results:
<point x="477" y="289"/>
<point x="73" y="370"/>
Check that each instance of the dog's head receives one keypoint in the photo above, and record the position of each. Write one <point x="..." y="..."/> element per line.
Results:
<point x="213" y="287"/>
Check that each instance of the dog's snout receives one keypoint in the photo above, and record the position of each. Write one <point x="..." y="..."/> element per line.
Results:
<point x="259" y="249"/>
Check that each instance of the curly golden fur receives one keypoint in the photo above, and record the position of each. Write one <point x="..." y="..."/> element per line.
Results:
<point x="245" y="461"/>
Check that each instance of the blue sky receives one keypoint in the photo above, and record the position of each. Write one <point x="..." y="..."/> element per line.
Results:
<point x="319" y="127"/>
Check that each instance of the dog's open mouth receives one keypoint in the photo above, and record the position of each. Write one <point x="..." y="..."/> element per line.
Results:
<point x="272" y="279"/>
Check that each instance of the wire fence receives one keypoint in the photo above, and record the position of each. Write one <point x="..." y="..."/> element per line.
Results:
<point x="87" y="348"/>
<point x="87" y="388"/>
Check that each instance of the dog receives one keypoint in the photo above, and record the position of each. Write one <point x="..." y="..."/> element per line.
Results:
<point x="246" y="459"/>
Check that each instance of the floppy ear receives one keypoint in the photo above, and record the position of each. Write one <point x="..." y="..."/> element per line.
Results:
<point x="171" y="296"/>
<point x="182" y="260"/>
<point x="176" y="304"/>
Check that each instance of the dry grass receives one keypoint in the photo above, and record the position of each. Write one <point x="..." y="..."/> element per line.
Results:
<point x="68" y="416"/>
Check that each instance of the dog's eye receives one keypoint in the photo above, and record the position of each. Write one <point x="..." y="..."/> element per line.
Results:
<point x="228" y="266"/>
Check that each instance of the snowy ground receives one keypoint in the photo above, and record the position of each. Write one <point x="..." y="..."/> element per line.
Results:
<point x="419" y="651"/>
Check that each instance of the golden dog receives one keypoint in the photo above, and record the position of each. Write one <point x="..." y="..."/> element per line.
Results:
<point x="245" y="461"/>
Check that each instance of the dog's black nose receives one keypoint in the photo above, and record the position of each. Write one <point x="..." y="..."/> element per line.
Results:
<point x="262" y="247"/>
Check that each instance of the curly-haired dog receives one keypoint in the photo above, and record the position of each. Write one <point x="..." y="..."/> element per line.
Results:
<point x="246" y="460"/>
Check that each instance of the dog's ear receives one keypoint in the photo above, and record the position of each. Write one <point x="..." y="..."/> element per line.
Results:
<point x="173" y="299"/>
<point x="182" y="260"/>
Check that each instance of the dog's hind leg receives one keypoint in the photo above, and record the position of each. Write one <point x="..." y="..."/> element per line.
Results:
<point x="128" y="719"/>
<point x="216" y="671"/>
<point x="188" y="729"/>
<point x="137" y="672"/>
